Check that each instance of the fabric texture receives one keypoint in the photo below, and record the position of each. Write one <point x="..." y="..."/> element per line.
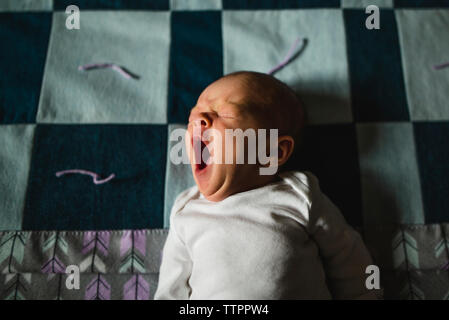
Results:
<point x="74" y="202"/>
<point x="22" y="68"/>
<point x="365" y="3"/>
<point x="376" y="138"/>
<point x="26" y="5"/>
<point x="116" y="4"/>
<point x="107" y="97"/>
<point x="382" y="166"/>
<point x="32" y="263"/>
<point x="319" y="76"/>
<point x="195" y="4"/>
<point x="15" y="156"/>
<point x="425" y="86"/>
<point x="112" y="264"/>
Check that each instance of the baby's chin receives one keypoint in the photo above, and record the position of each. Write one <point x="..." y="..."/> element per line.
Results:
<point x="211" y="181"/>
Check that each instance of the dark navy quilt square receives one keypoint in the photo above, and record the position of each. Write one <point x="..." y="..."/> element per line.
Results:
<point x="131" y="158"/>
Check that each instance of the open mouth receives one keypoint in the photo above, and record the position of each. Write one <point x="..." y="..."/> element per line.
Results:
<point x="204" y="155"/>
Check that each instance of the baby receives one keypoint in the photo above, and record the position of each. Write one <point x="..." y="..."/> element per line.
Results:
<point x="239" y="234"/>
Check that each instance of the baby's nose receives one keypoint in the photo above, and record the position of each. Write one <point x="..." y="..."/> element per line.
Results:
<point x="202" y="120"/>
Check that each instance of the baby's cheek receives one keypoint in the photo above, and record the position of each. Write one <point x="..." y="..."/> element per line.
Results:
<point x="216" y="145"/>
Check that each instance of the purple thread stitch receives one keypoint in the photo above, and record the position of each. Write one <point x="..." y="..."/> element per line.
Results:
<point x="88" y="173"/>
<point x="123" y="71"/>
<point x="441" y="66"/>
<point x="445" y="267"/>
<point x="290" y="55"/>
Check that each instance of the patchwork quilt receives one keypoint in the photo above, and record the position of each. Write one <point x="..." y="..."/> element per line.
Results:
<point x="85" y="174"/>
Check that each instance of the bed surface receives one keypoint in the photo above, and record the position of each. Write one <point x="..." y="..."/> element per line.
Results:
<point x="378" y="113"/>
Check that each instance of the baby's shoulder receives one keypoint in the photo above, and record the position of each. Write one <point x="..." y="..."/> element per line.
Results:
<point x="303" y="184"/>
<point x="184" y="197"/>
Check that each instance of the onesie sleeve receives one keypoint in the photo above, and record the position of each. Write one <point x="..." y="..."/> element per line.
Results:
<point x="176" y="266"/>
<point x="345" y="256"/>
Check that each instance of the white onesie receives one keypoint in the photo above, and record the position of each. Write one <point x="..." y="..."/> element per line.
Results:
<point x="285" y="240"/>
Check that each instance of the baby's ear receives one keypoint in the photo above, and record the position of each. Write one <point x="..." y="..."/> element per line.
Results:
<point x="286" y="145"/>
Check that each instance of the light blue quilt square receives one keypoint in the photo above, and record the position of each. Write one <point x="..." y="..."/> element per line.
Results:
<point x="136" y="41"/>
<point x="424" y="40"/>
<point x="259" y="40"/>
<point x="15" y="157"/>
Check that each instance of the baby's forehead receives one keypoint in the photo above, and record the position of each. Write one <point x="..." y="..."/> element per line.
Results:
<point x="225" y="92"/>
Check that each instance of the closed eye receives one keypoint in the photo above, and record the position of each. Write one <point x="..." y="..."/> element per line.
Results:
<point x="226" y="115"/>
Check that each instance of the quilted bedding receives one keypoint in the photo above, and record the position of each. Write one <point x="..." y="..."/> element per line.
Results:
<point x="377" y="137"/>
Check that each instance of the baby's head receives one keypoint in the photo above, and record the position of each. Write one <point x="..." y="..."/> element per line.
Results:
<point x="241" y="100"/>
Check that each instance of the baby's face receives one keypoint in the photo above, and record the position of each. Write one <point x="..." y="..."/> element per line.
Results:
<point x="222" y="106"/>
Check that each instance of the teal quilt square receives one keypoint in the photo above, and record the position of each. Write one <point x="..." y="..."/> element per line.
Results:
<point x="26" y="5"/>
<point x="391" y="189"/>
